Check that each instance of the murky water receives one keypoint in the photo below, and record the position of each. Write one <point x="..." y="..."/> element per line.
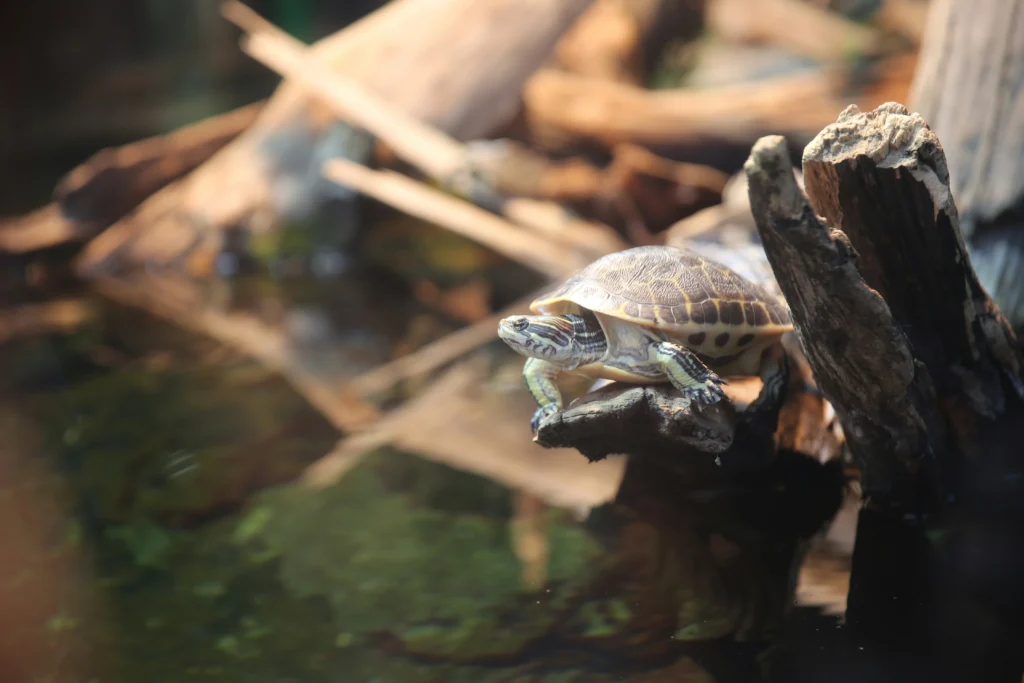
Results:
<point x="159" y="524"/>
<point x="157" y="528"/>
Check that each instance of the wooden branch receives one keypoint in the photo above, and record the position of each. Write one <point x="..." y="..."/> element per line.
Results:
<point x="620" y="41"/>
<point x="902" y="339"/>
<point x="436" y="153"/>
<point x="475" y="223"/>
<point x="439" y="155"/>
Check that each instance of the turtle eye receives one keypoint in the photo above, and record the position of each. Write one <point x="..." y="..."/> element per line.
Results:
<point x="520" y="325"/>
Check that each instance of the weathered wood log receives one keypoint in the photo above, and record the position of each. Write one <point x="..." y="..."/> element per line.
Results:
<point x="920" y="365"/>
<point x="969" y="86"/>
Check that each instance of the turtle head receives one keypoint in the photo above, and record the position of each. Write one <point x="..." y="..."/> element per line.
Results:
<point x="565" y="340"/>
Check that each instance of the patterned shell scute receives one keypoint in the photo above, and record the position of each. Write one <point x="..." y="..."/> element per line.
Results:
<point x="669" y="288"/>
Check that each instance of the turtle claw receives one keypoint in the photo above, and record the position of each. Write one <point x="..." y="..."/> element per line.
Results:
<point x="706" y="395"/>
<point x="542" y="414"/>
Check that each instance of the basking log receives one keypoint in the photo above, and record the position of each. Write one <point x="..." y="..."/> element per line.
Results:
<point x="923" y="371"/>
<point x="901" y="336"/>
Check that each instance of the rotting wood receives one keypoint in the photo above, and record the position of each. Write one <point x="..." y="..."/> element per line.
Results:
<point x="909" y="286"/>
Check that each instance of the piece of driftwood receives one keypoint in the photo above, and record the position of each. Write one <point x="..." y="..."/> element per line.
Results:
<point x="922" y="369"/>
<point x="794" y="25"/>
<point x="969" y="85"/>
<point x="270" y="169"/>
<point x="563" y="108"/>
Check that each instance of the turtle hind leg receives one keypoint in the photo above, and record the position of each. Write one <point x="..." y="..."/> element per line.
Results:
<point x="688" y="374"/>
<point x="540" y="380"/>
<point x="761" y="417"/>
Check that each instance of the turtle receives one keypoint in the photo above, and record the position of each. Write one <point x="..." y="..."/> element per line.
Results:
<point x="649" y="315"/>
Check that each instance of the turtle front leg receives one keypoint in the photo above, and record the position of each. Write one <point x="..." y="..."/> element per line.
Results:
<point x="688" y="374"/>
<point x="540" y="380"/>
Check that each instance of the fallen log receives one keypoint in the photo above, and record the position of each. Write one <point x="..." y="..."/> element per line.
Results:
<point x="922" y="369"/>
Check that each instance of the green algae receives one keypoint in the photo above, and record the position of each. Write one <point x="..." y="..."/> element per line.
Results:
<point x="448" y="585"/>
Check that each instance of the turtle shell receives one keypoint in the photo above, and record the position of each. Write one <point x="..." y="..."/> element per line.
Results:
<point x="676" y="291"/>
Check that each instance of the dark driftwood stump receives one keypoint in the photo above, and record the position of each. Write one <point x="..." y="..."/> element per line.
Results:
<point x="924" y="373"/>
